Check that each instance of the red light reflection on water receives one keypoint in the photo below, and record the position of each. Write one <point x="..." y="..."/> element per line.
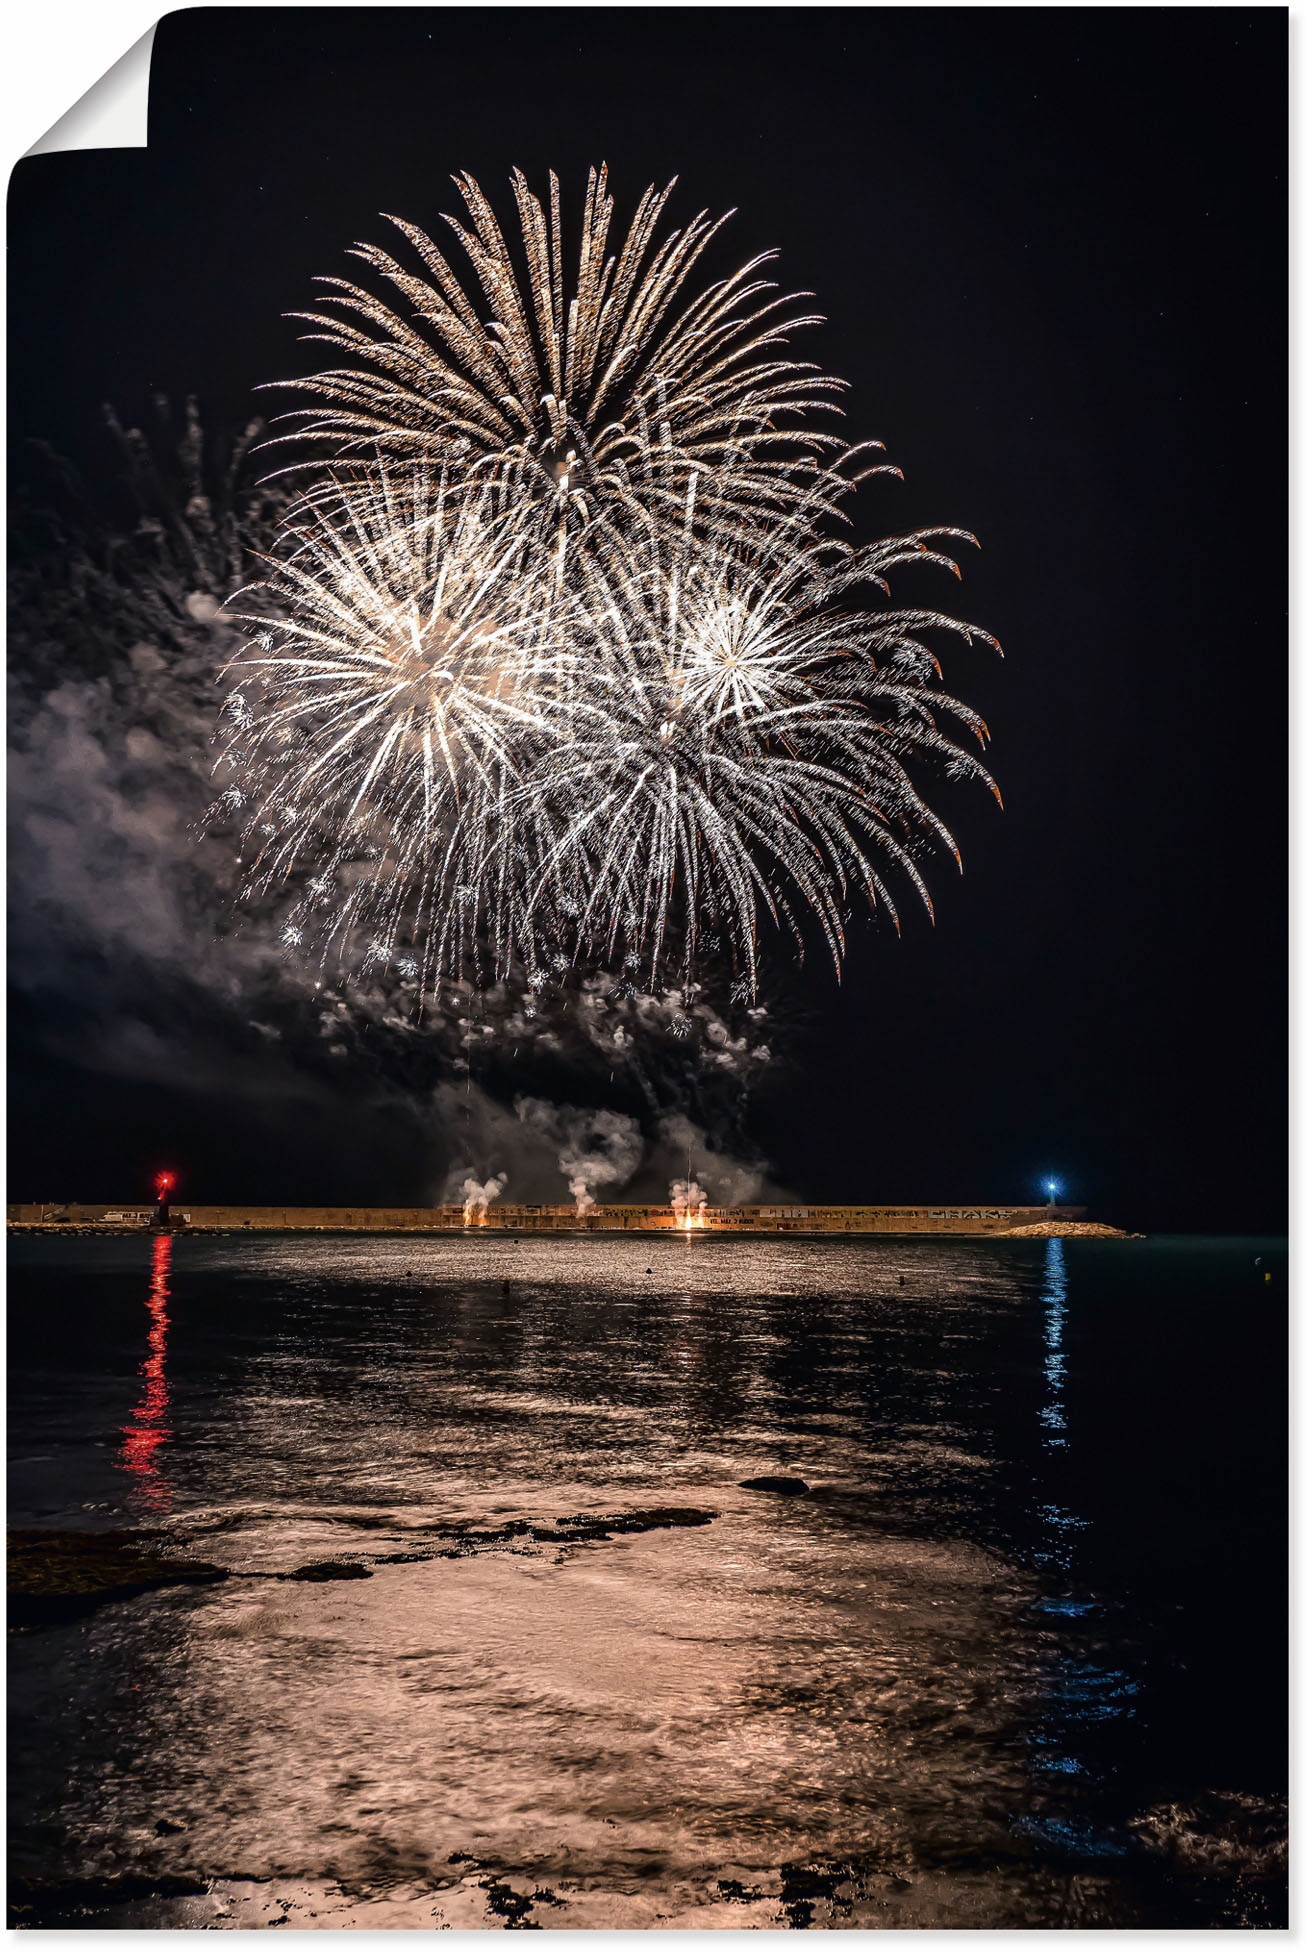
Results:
<point x="148" y="1429"/>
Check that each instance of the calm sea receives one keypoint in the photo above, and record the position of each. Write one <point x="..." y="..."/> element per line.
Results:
<point x="1014" y="1657"/>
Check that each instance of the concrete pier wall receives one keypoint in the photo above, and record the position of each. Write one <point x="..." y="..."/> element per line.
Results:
<point x="502" y="1217"/>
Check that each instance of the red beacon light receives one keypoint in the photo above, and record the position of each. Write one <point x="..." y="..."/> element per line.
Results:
<point x="163" y="1185"/>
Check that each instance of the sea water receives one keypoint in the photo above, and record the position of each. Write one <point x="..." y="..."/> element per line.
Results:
<point x="1014" y="1656"/>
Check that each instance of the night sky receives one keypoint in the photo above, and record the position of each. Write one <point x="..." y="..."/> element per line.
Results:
<point x="1051" y="250"/>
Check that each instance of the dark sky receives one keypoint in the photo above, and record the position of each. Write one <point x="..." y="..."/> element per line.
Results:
<point x="1051" y="249"/>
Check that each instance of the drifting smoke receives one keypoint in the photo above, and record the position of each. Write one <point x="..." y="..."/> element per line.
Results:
<point x="126" y="926"/>
<point x="688" y="1200"/>
<point x="116" y="635"/>
<point x="594" y="1148"/>
<point x="476" y="1198"/>
<point x="595" y="1154"/>
<point x="684" y="1149"/>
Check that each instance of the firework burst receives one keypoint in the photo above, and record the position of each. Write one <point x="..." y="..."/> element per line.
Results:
<point x="557" y="661"/>
<point x="387" y="716"/>
<point x="742" y="751"/>
<point x="596" y="396"/>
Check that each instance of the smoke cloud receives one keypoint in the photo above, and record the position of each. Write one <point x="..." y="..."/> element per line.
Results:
<point x="685" y="1153"/>
<point x="688" y="1200"/>
<point x="129" y="933"/>
<point x="593" y="1148"/>
<point x="555" y="1149"/>
<point x="476" y="1198"/>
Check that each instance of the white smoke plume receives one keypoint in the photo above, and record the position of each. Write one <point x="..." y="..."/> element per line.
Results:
<point x="596" y="1154"/>
<point x="684" y="1150"/>
<point x="688" y="1200"/>
<point x="476" y="1198"/>
<point x="594" y="1148"/>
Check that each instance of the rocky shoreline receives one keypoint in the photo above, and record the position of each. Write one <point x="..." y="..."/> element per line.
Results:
<point x="56" y="1576"/>
<point x="1069" y="1230"/>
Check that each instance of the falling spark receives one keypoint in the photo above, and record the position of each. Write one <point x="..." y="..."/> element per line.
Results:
<point x="399" y="683"/>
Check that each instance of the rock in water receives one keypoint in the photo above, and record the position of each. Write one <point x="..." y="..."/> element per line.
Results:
<point x="58" y="1575"/>
<point x="784" y="1487"/>
<point x="330" y="1569"/>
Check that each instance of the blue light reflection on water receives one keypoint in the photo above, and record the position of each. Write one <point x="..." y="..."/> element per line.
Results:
<point x="1080" y="1690"/>
<point x="1056" y="1297"/>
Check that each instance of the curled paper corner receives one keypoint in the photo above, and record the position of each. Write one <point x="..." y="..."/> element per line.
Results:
<point x="114" y="111"/>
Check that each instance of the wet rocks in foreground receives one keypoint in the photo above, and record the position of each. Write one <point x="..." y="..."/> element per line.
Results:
<point x="580" y="1529"/>
<point x="503" y="1900"/>
<point x="56" y="1576"/>
<point x="647" y="1518"/>
<point x="52" y="1903"/>
<point x="321" y="1570"/>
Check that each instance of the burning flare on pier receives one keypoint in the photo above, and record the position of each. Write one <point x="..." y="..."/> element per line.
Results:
<point x="476" y="1198"/>
<point x="689" y="1204"/>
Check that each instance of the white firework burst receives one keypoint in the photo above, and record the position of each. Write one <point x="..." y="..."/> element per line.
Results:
<point x="400" y="677"/>
<point x="593" y="395"/>
<point x="742" y="751"/>
<point x="557" y="660"/>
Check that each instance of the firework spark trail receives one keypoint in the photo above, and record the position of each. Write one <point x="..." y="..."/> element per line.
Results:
<point x="568" y="669"/>
<point x="617" y="389"/>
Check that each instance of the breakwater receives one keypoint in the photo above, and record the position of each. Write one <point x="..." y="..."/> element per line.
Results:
<point x="519" y="1219"/>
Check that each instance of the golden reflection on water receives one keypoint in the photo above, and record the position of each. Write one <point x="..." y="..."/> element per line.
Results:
<point x="628" y="1724"/>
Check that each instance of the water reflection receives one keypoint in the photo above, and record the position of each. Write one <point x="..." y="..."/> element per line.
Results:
<point x="915" y="1694"/>
<point x="148" y="1431"/>
<point x="1056" y="1296"/>
<point x="1059" y="1523"/>
<point x="1083" y="1694"/>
